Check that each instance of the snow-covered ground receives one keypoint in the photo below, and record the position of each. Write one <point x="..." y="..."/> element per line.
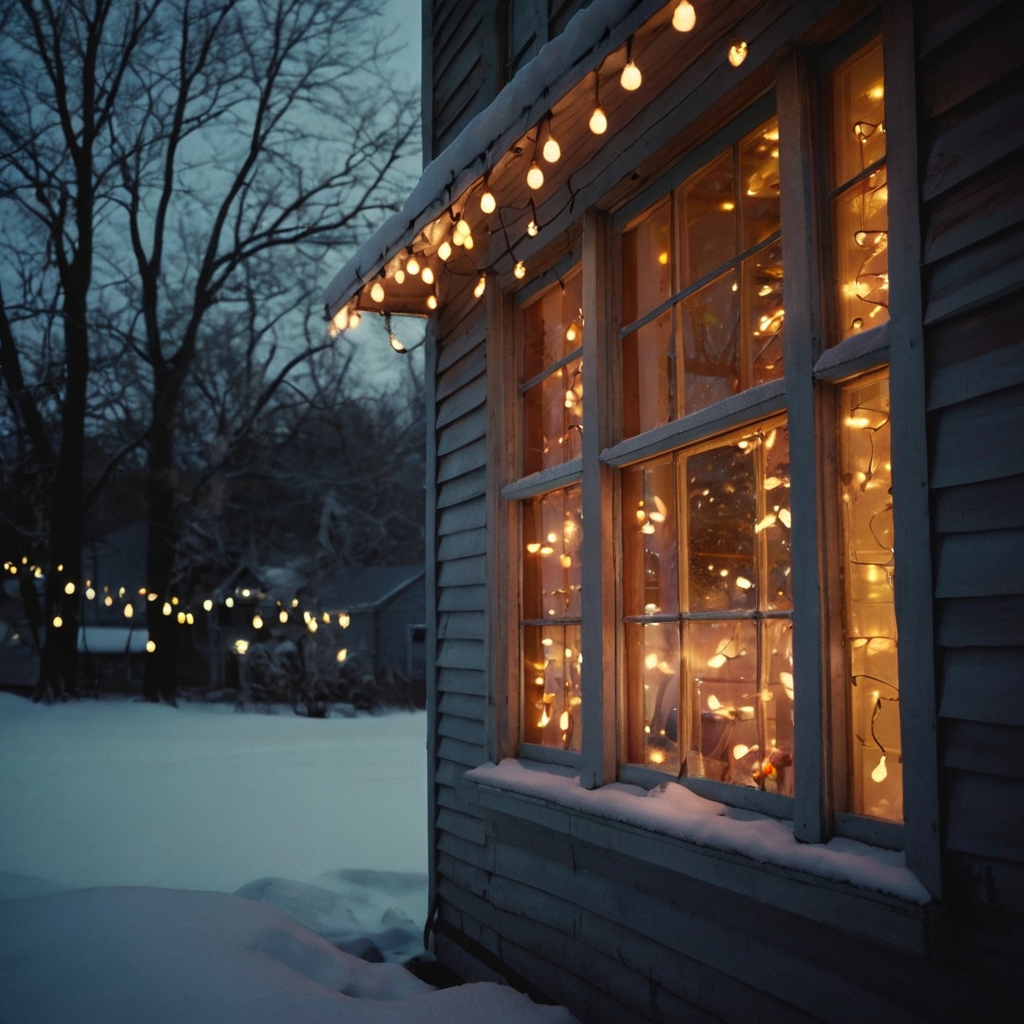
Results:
<point x="320" y="823"/>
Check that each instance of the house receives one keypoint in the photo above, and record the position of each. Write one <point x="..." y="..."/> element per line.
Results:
<point x="725" y="643"/>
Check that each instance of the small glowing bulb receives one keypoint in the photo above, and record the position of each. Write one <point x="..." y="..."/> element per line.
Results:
<point x="571" y="332"/>
<point x="566" y="561"/>
<point x="532" y="230"/>
<point x="413" y="266"/>
<point x="740" y="751"/>
<point x="488" y="203"/>
<point x="396" y="344"/>
<point x="342" y="655"/>
<point x="207" y="605"/>
<point x="743" y="583"/>
<point x="282" y="617"/>
<point x="663" y="258"/>
<point x="229" y="602"/>
<point x="737" y="53"/>
<point x="716" y="661"/>
<point x="344" y="619"/>
<point x="563" y="721"/>
<point x="714" y="704"/>
<point x="480" y="286"/>
<point x="880" y="772"/>
<point x="533" y="547"/>
<point x="552" y="151"/>
<point x="684" y="17"/>
<point x="399" y="276"/>
<point x="241" y="646"/>
<point x="598" y="121"/>
<point x="467" y="240"/>
<point x="534" y="176"/>
<point x="444" y="251"/>
<point x="69" y="587"/>
<point x="520" y="270"/>
<point x="427" y="275"/>
<point x="630" y="78"/>
<point x="257" y="621"/>
<point x="181" y="618"/>
<point x="57" y="622"/>
<point x="166" y="608"/>
<point x="129" y="611"/>
<point x="312" y="625"/>
<point x="150" y="646"/>
<point x="377" y="292"/>
<point x="354" y="318"/>
<point x="431" y="302"/>
<point x="90" y="593"/>
<point x="461" y="229"/>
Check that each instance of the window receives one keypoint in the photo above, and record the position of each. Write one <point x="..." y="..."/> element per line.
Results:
<point x="713" y="403"/>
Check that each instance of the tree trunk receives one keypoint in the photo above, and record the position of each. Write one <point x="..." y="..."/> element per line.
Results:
<point x="160" y="679"/>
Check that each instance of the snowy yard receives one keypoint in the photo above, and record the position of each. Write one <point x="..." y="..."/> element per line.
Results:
<point x="320" y="820"/>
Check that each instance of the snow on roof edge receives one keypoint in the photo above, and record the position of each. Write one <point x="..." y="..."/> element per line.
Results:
<point x="593" y="32"/>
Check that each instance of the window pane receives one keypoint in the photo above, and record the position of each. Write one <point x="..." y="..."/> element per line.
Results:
<point x="551" y="326"/>
<point x="646" y="263"/>
<point x="722" y="509"/>
<point x="776" y="520"/>
<point x="648" y="377"/>
<point x="762" y="296"/>
<point x="774" y="710"/>
<point x="862" y="221"/>
<point x="650" y="542"/>
<point x="551" y="686"/>
<point x="877" y="775"/>
<point x="759" y="184"/>
<point x="707" y="212"/>
<point x="858" y="114"/>
<point x="553" y="418"/>
<point x="711" y="352"/>
<point x="552" y="555"/>
<point x="653" y="668"/>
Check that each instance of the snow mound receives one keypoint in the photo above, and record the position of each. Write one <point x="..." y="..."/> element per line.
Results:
<point x="119" y="956"/>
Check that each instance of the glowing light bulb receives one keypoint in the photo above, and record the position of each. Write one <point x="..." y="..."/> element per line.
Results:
<point x="488" y="203"/>
<point x="377" y="292"/>
<point x="785" y="518"/>
<point x="532" y="230"/>
<point x="879" y="773"/>
<point x="181" y="618"/>
<point x="241" y="646"/>
<point x="341" y="655"/>
<point x="737" y="53"/>
<point x="229" y="602"/>
<point x="396" y="344"/>
<point x="444" y="251"/>
<point x="150" y="646"/>
<point x="312" y="625"/>
<point x="57" y="622"/>
<point x="399" y="276"/>
<point x="90" y="593"/>
<point x="598" y="121"/>
<point x="69" y="587"/>
<point x="343" y="620"/>
<point x="552" y="151"/>
<point x="467" y="240"/>
<point x="534" y="176"/>
<point x="354" y="318"/>
<point x="743" y="583"/>
<point x="563" y="721"/>
<point x="427" y="275"/>
<point x="716" y="661"/>
<point x="207" y="605"/>
<point x="740" y="751"/>
<point x="684" y="17"/>
<point x="571" y="333"/>
<point x="480" y="286"/>
<point x="533" y="548"/>
<point x="461" y="229"/>
<point x="282" y="617"/>
<point x="520" y="270"/>
<point x="129" y="611"/>
<point x="413" y="266"/>
<point x="630" y="78"/>
<point x="714" y="704"/>
<point x="166" y="608"/>
<point x="257" y="621"/>
<point x="431" y="302"/>
<point x="544" y="718"/>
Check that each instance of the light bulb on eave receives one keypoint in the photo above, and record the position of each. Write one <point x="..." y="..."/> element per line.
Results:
<point x="552" y="151"/>
<point x="737" y="53"/>
<point x="431" y="302"/>
<point x="427" y="275"/>
<point x="532" y="230"/>
<point x="598" y="121"/>
<point x="377" y="292"/>
<point x="534" y="176"/>
<point x="444" y="251"/>
<point x="395" y="343"/>
<point x="354" y="317"/>
<point x="487" y="202"/>
<point x="630" y="78"/>
<point x="480" y="287"/>
<point x="467" y="240"/>
<point x="413" y="266"/>
<point x="880" y="772"/>
<point x="519" y="270"/>
<point x="684" y="17"/>
<point x="399" y="276"/>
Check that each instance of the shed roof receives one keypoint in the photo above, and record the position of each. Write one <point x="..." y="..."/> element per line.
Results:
<point x="592" y="34"/>
<point x="353" y="588"/>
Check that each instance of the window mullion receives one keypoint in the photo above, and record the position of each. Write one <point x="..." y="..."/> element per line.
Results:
<point x="599" y="752"/>
<point x="800" y="243"/>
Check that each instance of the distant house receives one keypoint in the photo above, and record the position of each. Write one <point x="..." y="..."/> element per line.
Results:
<point x="725" y="377"/>
<point x="387" y="609"/>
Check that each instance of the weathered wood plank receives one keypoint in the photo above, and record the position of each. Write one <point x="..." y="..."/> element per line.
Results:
<point x="984" y="747"/>
<point x="984" y="684"/>
<point x="463" y="401"/>
<point x="972" y="137"/>
<point x="981" y="439"/>
<point x="462" y="431"/>
<point x="983" y="273"/>
<point x="458" y="343"/>
<point x="458" y="849"/>
<point x="991" y="371"/>
<point x="981" y="622"/>
<point x="942" y="22"/>
<point x="973" y="508"/>
<point x="461" y="372"/>
<point x="462" y="572"/>
<point x="470" y="515"/>
<point x="980" y="564"/>
<point x="463" y="488"/>
<point x="462" y="626"/>
<point x="462" y="599"/>
<point x="461" y="729"/>
<point x="448" y="773"/>
<point x="464" y="705"/>
<point x="981" y="818"/>
<point x="462" y="545"/>
<point x="462" y="460"/>
<point x="454" y="680"/>
<point x="469" y="828"/>
<point x="464" y="654"/>
<point x="468" y="754"/>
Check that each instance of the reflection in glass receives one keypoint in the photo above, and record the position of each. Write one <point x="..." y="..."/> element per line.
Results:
<point x="552" y="534"/>
<point x="653" y="654"/>
<point x="647" y="263"/>
<point x="707" y="205"/>
<point x="762" y="290"/>
<point x="858" y="114"/>
<point x="553" y="418"/>
<point x="648" y="378"/>
<point x="759" y="184"/>
<point x="775" y="521"/>
<point x="651" y="583"/>
<point x="548" y="324"/>
<point x="711" y="356"/>
<point x="552" y="662"/>
<point x="876" y="747"/>
<point x="862" y="243"/>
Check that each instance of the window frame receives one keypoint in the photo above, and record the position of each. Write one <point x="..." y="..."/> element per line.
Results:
<point x="812" y="368"/>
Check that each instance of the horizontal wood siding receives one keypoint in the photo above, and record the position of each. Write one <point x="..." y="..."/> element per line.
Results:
<point x="972" y="132"/>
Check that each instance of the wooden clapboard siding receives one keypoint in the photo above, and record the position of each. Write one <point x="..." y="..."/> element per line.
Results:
<point x="972" y="214"/>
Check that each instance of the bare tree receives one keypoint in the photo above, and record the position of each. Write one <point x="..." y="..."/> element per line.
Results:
<point x="165" y="153"/>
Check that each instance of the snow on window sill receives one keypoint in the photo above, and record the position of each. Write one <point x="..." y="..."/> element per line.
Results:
<point x="845" y="883"/>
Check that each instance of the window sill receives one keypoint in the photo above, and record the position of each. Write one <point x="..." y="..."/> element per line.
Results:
<point x="843" y="884"/>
